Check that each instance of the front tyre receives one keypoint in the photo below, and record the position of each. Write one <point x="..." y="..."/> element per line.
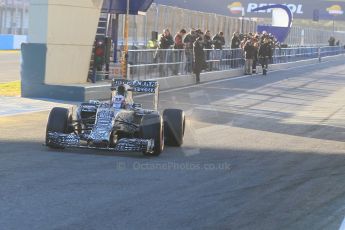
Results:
<point x="152" y="128"/>
<point x="174" y="126"/>
<point x="57" y="122"/>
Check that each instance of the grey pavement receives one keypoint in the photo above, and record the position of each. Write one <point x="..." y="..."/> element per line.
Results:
<point x="9" y="66"/>
<point x="259" y="153"/>
<point x="10" y="106"/>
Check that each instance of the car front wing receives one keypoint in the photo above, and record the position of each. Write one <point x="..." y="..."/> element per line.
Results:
<point x="123" y="145"/>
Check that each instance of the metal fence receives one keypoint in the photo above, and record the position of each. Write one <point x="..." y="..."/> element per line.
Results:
<point x="160" y="17"/>
<point x="14" y="17"/>
<point x="150" y="64"/>
<point x="309" y="36"/>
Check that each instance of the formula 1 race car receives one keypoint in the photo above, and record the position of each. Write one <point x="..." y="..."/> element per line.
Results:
<point x="119" y="125"/>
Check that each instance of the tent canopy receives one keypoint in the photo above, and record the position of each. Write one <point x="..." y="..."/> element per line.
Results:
<point x="120" y="6"/>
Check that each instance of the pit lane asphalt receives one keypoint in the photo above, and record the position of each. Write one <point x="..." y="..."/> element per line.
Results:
<point x="259" y="153"/>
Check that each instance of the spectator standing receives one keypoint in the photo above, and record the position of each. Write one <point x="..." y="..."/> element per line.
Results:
<point x="219" y="42"/>
<point x="265" y="54"/>
<point x="165" y="42"/>
<point x="255" y="56"/>
<point x="179" y="39"/>
<point x="331" y="41"/>
<point x="188" y="41"/>
<point x="235" y="41"/>
<point x="152" y="44"/>
<point x="178" y="47"/>
<point x="249" y="52"/>
<point x="208" y="45"/>
<point x="235" y="52"/>
<point x="199" y="62"/>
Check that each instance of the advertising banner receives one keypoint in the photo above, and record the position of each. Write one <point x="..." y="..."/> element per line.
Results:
<point x="304" y="9"/>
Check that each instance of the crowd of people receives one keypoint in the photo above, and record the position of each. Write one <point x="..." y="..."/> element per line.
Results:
<point x="197" y="46"/>
<point x="331" y="41"/>
<point x="194" y="43"/>
<point x="258" y="48"/>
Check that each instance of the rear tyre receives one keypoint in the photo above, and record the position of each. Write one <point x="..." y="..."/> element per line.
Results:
<point x="152" y="128"/>
<point x="174" y="126"/>
<point x="57" y="122"/>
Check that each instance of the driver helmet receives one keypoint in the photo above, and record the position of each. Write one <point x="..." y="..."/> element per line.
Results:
<point x="121" y="90"/>
<point x="119" y="102"/>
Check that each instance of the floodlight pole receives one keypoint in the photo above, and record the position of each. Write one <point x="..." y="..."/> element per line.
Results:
<point x="242" y="21"/>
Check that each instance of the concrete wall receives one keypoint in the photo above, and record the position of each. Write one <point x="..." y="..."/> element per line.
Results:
<point x="101" y="90"/>
<point x="68" y="28"/>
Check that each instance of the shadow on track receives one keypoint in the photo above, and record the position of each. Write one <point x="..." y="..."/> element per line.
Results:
<point x="264" y="189"/>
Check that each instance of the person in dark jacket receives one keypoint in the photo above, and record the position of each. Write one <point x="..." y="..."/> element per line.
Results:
<point x="219" y="41"/>
<point x="249" y="52"/>
<point x="166" y="41"/>
<point x="331" y="41"/>
<point x="235" y="41"/>
<point x="188" y="41"/>
<point x="199" y="62"/>
<point x="208" y="45"/>
<point x="265" y="54"/>
<point x="235" y="52"/>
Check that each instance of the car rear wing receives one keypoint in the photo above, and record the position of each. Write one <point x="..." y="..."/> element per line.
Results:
<point x="137" y="86"/>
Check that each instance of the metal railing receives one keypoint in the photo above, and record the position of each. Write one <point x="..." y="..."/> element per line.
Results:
<point x="150" y="64"/>
<point x="159" y="17"/>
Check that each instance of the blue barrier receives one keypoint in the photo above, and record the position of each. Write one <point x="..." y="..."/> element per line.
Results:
<point x="11" y="42"/>
<point x="6" y="42"/>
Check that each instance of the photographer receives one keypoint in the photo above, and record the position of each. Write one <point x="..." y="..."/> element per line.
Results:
<point x="166" y="40"/>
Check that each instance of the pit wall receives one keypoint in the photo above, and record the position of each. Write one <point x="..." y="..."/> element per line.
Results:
<point x="101" y="90"/>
